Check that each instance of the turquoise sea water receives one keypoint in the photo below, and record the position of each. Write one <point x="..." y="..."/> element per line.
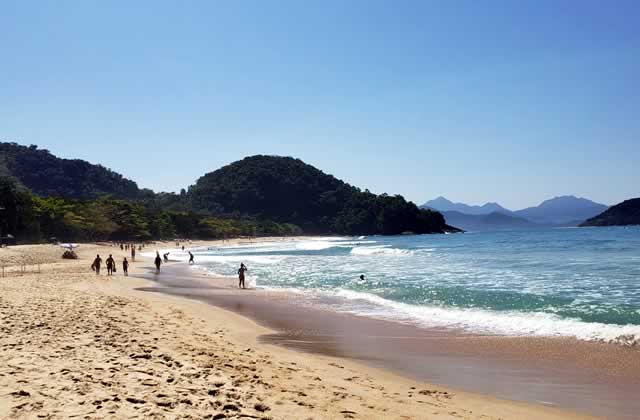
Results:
<point x="582" y="282"/>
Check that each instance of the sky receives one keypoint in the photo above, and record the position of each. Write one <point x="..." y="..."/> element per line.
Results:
<point x="507" y="101"/>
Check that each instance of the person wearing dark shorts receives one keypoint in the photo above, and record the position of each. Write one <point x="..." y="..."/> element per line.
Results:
<point x="125" y="266"/>
<point x="111" y="265"/>
<point x="96" y="264"/>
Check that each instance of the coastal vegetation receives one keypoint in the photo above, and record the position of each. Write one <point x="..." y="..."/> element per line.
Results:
<point x="47" y="175"/>
<point x="622" y="214"/>
<point x="284" y="189"/>
<point x="44" y="197"/>
<point x="33" y="219"/>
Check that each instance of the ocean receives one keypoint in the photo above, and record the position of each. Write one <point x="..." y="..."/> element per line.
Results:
<point x="572" y="282"/>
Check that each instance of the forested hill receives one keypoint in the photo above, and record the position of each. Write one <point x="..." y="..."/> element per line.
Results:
<point x="625" y="213"/>
<point x="285" y="189"/>
<point x="42" y="196"/>
<point x="47" y="175"/>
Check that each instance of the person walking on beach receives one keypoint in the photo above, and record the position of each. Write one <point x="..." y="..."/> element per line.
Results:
<point x="190" y="258"/>
<point x="111" y="265"/>
<point x="96" y="264"/>
<point x="241" y="272"/>
<point x="158" y="262"/>
<point x="133" y="253"/>
<point x="125" y="266"/>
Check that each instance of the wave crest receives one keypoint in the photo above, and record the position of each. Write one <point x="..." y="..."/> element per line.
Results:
<point x="380" y="250"/>
<point x="485" y="321"/>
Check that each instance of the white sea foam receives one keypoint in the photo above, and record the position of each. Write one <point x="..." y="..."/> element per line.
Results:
<point x="486" y="321"/>
<point x="252" y="245"/>
<point x="477" y="264"/>
<point x="328" y="238"/>
<point x="222" y="259"/>
<point x="315" y="245"/>
<point x="258" y="259"/>
<point x="320" y="245"/>
<point x="380" y="250"/>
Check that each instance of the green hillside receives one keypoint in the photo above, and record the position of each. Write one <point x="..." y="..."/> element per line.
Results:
<point x="625" y="213"/>
<point x="47" y="175"/>
<point x="43" y="196"/>
<point x="285" y="189"/>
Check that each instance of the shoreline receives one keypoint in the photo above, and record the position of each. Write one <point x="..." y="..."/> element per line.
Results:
<point x="589" y="377"/>
<point x="76" y="344"/>
<point x="394" y="292"/>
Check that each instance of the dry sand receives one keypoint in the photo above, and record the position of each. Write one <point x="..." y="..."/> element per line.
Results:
<point x="73" y="344"/>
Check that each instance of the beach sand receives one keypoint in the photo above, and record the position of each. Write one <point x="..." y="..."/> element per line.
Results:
<point x="73" y="344"/>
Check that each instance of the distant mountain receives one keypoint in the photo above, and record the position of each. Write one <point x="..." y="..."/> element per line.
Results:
<point x="625" y="213"/>
<point x="562" y="210"/>
<point x="47" y="175"/>
<point x="558" y="211"/>
<point x="491" y="221"/>
<point x="442" y="204"/>
<point x="286" y="189"/>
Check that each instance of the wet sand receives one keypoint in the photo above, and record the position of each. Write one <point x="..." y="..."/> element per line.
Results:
<point x="593" y="378"/>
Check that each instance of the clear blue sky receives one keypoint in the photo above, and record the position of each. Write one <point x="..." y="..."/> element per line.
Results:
<point x="508" y="101"/>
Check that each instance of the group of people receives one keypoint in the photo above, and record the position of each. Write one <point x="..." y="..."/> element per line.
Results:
<point x="132" y="247"/>
<point x="165" y="257"/>
<point x="241" y="277"/>
<point x="111" y="265"/>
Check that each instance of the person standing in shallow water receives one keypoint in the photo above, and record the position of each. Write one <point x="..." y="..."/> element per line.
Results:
<point x="133" y="253"/>
<point x="125" y="266"/>
<point x="158" y="262"/>
<point x="96" y="264"/>
<point x="241" y="272"/>
<point x="191" y="258"/>
<point x="111" y="265"/>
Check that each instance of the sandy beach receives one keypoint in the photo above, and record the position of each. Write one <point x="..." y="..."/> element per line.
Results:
<point x="585" y="376"/>
<point x="74" y="344"/>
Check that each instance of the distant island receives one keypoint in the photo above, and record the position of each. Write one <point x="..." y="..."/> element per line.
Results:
<point x="43" y="196"/>
<point x="623" y="214"/>
<point x="556" y="212"/>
